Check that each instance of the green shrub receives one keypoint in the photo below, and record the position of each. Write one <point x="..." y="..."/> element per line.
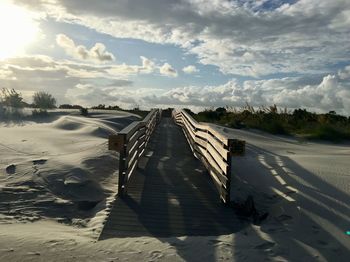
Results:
<point x="10" y="98"/>
<point x="84" y="111"/>
<point x="44" y="100"/>
<point x="329" y="132"/>
<point x="11" y="104"/>
<point x="329" y="126"/>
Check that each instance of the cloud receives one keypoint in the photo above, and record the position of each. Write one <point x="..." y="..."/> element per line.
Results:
<point x="328" y="94"/>
<point x="120" y="82"/>
<point x="148" y="66"/>
<point x="29" y="74"/>
<point x="190" y="69"/>
<point x="344" y="74"/>
<point x="167" y="70"/>
<point x="73" y="82"/>
<point x="97" y="53"/>
<point x="250" y="38"/>
<point x="87" y="95"/>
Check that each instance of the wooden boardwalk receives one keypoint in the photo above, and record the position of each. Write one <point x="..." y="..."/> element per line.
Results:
<point x="172" y="196"/>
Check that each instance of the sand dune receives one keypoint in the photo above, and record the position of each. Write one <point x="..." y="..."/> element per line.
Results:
<point x="57" y="178"/>
<point x="311" y="181"/>
<point x="59" y="170"/>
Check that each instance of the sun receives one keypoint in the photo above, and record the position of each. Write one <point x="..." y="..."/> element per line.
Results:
<point x="17" y="30"/>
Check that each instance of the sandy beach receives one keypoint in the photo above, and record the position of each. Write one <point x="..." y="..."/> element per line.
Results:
<point x="57" y="180"/>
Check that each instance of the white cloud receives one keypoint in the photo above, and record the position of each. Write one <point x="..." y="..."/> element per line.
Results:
<point x="345" y="73"/>
<point x="190" y="69"/>
<point x="329" y="94"/>
<point x="237" y="36"/>
<point x="97" y="53"/>
<point x="68" y="80"/>
<point x="28" y="74"/>
<point x="88" y="85"/>
<point x="87" y="95"/>
<point x="305" y="38"/>
<point x="167" y="70"/>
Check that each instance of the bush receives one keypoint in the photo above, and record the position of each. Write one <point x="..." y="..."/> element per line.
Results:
<point x="10" y="98"/>
<point x="328" y="132"/>
<point x="68" y="106"/>
<point x="10" y="104"/>
<point x="84" y="111"/>
<point x="329" y="126"/>
<point x="44" y="100"/>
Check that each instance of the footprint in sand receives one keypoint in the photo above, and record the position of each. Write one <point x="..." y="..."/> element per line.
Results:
<point x="39" y="161"/>
<point x="11" y="169"/>
<point x="156" y="254"/>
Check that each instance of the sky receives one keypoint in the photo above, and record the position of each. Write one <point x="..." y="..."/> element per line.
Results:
<point x="179" y="53"/>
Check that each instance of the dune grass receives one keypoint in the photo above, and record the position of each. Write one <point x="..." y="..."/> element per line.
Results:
<point x="299" y="122"/>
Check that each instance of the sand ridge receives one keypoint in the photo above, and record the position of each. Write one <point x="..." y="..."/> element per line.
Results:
<point x="59" y="170"/>
<point x="57" y="180"/>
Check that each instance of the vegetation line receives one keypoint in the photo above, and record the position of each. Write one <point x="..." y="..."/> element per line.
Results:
<point x="299" y="122"/>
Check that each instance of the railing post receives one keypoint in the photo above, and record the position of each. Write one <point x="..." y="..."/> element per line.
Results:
<point x="227" y="198"/>
<point x="159" y="116"/>
<point x="122" y="167"/>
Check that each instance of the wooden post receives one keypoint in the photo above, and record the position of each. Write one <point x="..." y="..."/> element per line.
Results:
<point x="122" y="166"/>
<point x="115" y="142"/>
<point x="229" y="175"/>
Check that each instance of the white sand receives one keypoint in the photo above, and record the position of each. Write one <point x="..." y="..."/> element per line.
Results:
<point x="60" y="170"/>
<point x="56" y="179"/>
<point x="312" y="183"/>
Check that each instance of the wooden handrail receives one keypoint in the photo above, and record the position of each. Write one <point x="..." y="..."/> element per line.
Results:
<point x="213" y="147"/>
<point x="131" y="143"/>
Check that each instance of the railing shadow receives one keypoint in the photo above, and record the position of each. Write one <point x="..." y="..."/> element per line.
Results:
<point x="313" y="227"/>
<point x="172" y="197"/>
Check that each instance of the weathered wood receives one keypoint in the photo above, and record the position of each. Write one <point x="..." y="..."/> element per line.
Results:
<point x="115" y="142"/>
<point x="217" y="157"/>
<point x="131" y="142"/>
<point x="130" y="129"/>
<point x="219" y="148"/>
<point x="140" y="132"/>
<point x="122" y="166"/>
<point x="173" y="199"/>
<point x="237" y="147"/>
<point x="213" y="147"/>
<point x="136" y="146"/>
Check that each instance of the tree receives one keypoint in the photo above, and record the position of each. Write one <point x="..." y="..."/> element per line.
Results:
<point x="10" y="98"/>
<point x="44" y="100"/>
<point x="220" y="110"/>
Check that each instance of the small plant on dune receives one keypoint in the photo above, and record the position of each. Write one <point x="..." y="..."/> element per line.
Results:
<point x="44" y="100"/>
<point x="84" y="111"/>
<point x="11" y="103"/>
<point x="11" y="98"/>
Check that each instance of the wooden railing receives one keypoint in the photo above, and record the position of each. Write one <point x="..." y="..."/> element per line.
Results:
<point x="131" y="143"/>
<point x="213" y="147"/>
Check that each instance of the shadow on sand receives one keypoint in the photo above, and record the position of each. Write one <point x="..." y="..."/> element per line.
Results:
<point x="312" y="229"/>
<point x="171" y="197"/>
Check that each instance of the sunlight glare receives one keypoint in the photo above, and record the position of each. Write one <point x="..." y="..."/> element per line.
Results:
<point x="17" y="30"/>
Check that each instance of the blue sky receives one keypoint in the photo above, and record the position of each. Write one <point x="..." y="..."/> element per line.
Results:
<point x="183" y="53"/>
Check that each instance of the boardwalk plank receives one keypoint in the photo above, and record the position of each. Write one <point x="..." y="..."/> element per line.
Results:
<point x="172" y="196"/>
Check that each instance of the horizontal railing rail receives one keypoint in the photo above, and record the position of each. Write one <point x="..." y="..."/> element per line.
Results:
<point x="131" y="143"/>
<point x="213" y="147"/>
